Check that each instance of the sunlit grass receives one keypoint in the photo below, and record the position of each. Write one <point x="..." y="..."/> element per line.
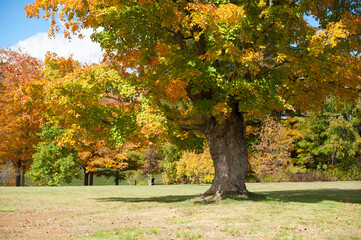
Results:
<point x="319" y="210"/>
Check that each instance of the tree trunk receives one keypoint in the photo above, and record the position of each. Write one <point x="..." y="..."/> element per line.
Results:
<point x="18" y="179"/>
<point x="166" y="172"/>
<point x="117" y="178"/>
<point x="91" y="178"/>
<point x="86" y="177"/>
<point x="22" y="178"/>
<point x="150" y="180"/>
<point x="228" y="148"/>
<point x="333" y="157"/>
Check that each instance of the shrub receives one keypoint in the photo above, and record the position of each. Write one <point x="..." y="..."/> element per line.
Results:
<point x="7" y="174"/>
<point x="195" y="168"/>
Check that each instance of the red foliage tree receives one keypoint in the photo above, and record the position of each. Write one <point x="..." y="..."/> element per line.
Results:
<point x="21" y="109"/>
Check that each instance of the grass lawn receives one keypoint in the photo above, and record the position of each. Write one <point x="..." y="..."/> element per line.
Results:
<point x="318" y="210"/>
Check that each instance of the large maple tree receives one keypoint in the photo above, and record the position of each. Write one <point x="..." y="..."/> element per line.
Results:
<point x="209" y="64"/>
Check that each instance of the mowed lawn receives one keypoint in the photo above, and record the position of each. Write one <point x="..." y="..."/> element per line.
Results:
<point x="318" y="210"/>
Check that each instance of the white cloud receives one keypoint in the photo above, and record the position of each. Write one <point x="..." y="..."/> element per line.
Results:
<point x="83" y="50"/>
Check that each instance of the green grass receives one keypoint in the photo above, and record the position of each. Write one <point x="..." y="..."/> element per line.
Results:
<point x="319" y="210"/>
<point x="102" y="181"/>
<point x="121" y="234"/>
<point x="188" y="235"/>
<point x="8" y="209"/>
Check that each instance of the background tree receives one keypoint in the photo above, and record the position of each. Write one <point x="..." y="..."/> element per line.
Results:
<point x="90" y="102"/>
<point x="103" y="160"/>
<point x="331" y="136"/>
<point x="92" y="155"/>
<point x="133" y="174"/>
<point x="151" y="165"/>
<point x="170" y="156"/>
<point x="272" y="152"/>
<point x="219" y="61"/>
<point x="7" y="174"/>
<point x="96" y="112"/>
<point x="54" y="163"/>
<point x="21" y="107"/>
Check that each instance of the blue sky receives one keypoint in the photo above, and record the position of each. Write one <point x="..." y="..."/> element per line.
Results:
<point x="15" y="26"/>
<point x="31" y="35"/>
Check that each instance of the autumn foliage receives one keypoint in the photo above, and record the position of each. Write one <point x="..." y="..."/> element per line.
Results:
<point x="197" y="71"/>
<point x="272" y="153"/>
<point x="208" y="65"/>
<point x="22" y="108"/>
<point x="95" y="113"/>
<point x="195" y="168"/>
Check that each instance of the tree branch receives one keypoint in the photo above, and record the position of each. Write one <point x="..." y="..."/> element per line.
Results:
<point x="191" y="127"/>
<point x="349" y="88"/>
<point x="183" y="119"/>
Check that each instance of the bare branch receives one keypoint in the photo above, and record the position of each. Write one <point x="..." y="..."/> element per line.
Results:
<point x="349" y="88"/>
<point x="272" y="67"/>
<point x="183" y="119"/>
<point x="191" y="127"/>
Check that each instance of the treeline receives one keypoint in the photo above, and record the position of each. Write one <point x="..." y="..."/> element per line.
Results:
<point x="61" y="119"/>
<point x="314" y="146"/>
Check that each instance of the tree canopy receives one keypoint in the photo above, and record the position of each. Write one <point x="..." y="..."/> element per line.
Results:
<point x="263" y="54"/>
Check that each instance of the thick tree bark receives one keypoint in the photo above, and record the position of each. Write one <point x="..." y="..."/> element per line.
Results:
<point x="228" y="148"/>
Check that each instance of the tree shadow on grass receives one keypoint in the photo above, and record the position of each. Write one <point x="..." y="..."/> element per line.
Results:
<point x="160" y="199"/>
<point x="307" y="196"/>
<point x="301" y="196"/>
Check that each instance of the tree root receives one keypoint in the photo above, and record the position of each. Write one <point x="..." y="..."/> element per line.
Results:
<point x="216" y="196"/>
